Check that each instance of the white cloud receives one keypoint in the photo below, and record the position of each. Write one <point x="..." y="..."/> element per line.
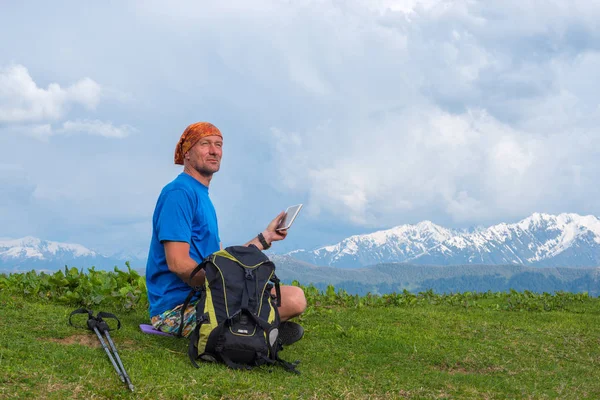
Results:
<point x="404" y="6"/>
<point x="489" y="113"/>
<point x="470" y="166"/>
<point x="21" y="100"/>
<point x="34" y="111"/>
<point x="85" y="92"/>
<point x="40" y="131"/>
<point x="44" y="132"/>
<point x="96" y="127"/>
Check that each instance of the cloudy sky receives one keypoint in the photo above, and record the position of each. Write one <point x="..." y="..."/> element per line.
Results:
<point x="373" y="113"/>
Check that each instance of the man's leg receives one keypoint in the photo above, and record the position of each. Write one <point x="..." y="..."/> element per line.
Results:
<point x="293" y="302"/>
<point x="170" y="320"/>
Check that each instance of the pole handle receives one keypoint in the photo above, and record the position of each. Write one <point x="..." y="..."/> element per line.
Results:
<point x="100" y="318"/>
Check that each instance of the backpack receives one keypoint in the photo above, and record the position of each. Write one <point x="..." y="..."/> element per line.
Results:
<point x="237" y="321"/>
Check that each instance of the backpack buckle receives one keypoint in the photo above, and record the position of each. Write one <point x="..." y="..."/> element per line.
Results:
<point x="203" y="318"/>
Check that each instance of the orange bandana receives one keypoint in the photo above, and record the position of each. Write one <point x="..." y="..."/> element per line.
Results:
<point x="190" y="137"/>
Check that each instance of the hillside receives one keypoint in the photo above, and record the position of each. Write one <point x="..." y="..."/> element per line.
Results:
<point x="415" y="347"/>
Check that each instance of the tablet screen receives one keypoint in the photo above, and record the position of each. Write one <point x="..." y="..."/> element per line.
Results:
<point x="290" y="216"/>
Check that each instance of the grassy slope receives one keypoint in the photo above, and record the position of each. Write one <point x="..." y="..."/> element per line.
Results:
<point x="422" y="352"/>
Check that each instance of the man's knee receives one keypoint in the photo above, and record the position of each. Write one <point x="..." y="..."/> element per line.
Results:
<point x="298" y="300"/>
<point x="293" y="302"/>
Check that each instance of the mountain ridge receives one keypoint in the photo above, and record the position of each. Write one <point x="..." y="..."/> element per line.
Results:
<point x="26" y="253"/>
<point x="566" y="239"/>
<point x="540" y="240"/>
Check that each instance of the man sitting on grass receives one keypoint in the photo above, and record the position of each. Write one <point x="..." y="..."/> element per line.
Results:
<point x="185" y="231"/>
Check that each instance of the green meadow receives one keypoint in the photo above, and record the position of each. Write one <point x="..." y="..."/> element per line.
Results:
<point x="511" y="345"/>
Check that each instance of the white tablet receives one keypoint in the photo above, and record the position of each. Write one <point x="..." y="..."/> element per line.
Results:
<point x="290" y="216"/>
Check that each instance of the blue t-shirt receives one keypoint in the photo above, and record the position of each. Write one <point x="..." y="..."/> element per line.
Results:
<point x="183" y="213"/>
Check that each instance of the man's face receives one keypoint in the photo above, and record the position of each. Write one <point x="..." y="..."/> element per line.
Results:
<point x="205" y="156"/>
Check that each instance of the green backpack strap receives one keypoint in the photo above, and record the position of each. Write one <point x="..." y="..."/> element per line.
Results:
<point x="193" y="351"/>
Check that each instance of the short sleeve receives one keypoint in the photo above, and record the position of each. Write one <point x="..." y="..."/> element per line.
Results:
<point x="174" y="222"/>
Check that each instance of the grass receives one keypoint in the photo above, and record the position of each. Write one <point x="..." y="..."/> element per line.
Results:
<point x="425" y="351"/>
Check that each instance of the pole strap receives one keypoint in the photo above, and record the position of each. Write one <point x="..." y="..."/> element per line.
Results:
<point x="81" y="311"/>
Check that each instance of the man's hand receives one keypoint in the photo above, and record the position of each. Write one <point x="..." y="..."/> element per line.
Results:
<point x="271" y="234"/>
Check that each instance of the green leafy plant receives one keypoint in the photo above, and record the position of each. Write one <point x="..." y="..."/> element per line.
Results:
<point x="499" y="301"/>
<point x="125" y="289"/>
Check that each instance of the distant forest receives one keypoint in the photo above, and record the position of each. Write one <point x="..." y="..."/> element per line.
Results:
<point x="396" y="277"/>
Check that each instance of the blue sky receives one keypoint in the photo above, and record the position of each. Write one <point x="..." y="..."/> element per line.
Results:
<point x="373" y="113"/>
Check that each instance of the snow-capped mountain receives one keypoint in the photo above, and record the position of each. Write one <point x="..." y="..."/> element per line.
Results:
<point x="539" y="240"/>
<point x="31" y="247"/>
<point x="33" y="253"/>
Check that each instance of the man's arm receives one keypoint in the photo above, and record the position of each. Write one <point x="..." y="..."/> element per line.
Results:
<point x="270" y="234"/>
<point x="181" y="264"/>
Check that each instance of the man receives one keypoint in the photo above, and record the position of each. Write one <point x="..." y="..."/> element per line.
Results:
<point x="185" y="231"/>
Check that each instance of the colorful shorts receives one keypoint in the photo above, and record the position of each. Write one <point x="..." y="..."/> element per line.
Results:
<point x="170" y="320"/>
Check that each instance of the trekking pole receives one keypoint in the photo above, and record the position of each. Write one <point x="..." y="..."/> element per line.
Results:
<point x="103" y="327"/>
<point x="92" y="325"/>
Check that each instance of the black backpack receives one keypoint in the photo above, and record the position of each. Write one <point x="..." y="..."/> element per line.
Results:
<point x="237" y="318"/>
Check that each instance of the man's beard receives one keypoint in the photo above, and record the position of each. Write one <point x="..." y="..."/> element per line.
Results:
<point x="205" y="171"/>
